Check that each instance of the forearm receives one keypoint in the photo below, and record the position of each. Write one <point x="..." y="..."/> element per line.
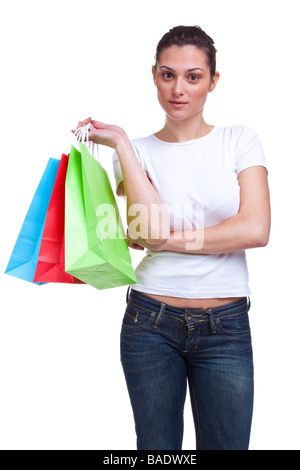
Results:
<point x="141" y="197"/>
<point x="237" y="233"/>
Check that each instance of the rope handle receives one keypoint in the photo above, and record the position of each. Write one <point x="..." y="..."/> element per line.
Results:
<point x="82" y="135"/>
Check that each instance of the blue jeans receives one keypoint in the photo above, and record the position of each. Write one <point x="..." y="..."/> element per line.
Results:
<point x="163" y="348"/>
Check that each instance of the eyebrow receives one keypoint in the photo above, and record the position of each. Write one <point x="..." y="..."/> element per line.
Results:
<point x="188" y="70"/>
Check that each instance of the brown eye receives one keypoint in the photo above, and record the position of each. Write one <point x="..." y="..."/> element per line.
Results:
<point x="167" y="75"/>
<point x="194" y="78"/>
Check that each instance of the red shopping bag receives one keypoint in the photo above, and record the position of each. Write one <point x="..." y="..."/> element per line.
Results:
<point x="51" y="259"/>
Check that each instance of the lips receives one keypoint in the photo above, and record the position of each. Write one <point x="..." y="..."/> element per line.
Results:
<point x="178" y="104"/>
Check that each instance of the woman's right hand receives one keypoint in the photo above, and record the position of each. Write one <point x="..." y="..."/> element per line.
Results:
<point x="104" y="134"/>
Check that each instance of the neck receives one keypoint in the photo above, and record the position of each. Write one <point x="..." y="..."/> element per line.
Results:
<point x="182" y="131"/>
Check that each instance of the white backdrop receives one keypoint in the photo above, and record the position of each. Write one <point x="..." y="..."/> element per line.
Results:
<point x="62" y="385"/>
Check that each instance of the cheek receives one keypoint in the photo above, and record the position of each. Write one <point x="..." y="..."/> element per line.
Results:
<point x="199" y="93"/>
<point x="162" y="89"/>
<point x="162" y="101"/>
<point x="163" y="94"/>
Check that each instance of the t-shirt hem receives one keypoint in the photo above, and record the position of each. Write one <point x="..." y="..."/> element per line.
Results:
<point x="249" y="165"/>
<point x="192" y="294"/>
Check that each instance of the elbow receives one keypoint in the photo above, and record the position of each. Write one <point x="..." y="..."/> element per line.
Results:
<point x="256" y="231"/>
<point x="120" y="189"/>
<point x="262" y="241"/>
<point x="261" y="236"/>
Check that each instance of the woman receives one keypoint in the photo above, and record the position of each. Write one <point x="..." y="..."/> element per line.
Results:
<point x="197" y="198"/>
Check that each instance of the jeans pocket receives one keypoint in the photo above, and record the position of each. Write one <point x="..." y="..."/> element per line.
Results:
<point x="137" y="317"/>
<point x="235" y="324"/>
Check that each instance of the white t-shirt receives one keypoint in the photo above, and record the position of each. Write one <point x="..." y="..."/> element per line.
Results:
<point x="188" y="176"/>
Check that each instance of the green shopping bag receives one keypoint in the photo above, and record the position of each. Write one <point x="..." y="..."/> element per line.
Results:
<point x="96" y="250"/>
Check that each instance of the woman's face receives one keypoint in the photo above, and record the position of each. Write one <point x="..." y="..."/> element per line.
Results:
<point x="183" y="80"/>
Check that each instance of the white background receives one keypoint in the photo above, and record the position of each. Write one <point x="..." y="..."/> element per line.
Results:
<point x="62" y="385"/>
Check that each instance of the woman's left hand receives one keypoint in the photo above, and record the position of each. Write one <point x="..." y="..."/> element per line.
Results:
<point x="141" y="244"/>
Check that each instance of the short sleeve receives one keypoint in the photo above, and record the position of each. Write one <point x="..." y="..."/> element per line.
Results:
<point x="117" y="169"/>
<point x="249" y="150"/>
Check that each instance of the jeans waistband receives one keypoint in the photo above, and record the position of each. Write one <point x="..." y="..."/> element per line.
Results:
<point x="156" y="304"/>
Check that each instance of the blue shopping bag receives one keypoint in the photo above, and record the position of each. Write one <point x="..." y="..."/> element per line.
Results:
<point x="24" y="257"/>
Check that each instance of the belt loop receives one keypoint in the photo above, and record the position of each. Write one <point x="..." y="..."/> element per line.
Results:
<point x="212" y="321"/>
<point x="249" y="303"/>
<point x="127" y="294"/>
<point x="160" y="314"/>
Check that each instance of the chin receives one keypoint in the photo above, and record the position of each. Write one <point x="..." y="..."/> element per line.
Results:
<point x="177" y="116"/>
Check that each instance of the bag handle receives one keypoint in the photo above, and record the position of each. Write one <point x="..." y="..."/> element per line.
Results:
<point x="82" y="135"/>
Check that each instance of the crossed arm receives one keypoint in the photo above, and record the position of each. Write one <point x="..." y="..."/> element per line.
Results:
<point x="250" y="228"/>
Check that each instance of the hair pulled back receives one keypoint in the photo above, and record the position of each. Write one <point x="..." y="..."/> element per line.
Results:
<point x="186" y="36"/>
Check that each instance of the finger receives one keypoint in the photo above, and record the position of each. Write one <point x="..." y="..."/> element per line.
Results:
<point x="86" y="121"/>
<point x="133" y="243"/>
<point x="135" y="246"/>
<point x="98" y="124"/>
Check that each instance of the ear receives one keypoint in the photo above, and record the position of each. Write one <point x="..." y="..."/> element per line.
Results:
<point x="153" y="72"/>
<point x="214" y="82"/>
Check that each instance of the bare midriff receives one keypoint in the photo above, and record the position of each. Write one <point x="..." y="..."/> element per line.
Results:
<point x="193" y="303"/>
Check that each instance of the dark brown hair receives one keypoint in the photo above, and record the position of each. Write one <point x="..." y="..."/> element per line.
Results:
<point x="189" y="35"/>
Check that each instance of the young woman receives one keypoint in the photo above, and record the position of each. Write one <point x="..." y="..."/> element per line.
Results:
<point x="197" y="198"/>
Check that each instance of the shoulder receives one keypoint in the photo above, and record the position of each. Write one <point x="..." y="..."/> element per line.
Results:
<point x="238" y="133"/>
<point x="145" y="147"/>
<point x="245" y="146"/>
<point x="241" y="139"/>
<point x="142" y="142"/>
<point x="140" y="146"/>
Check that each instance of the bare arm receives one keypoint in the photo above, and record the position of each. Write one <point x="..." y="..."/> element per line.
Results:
<point x="250" y="228"/>
<point x="140" y="193"/>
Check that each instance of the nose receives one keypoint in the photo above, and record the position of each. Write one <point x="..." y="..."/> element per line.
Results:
<point x="178" y="88"/>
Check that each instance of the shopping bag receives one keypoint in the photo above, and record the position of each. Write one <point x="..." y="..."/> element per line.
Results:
<point x="51" y="258"/>
<point x="24" y="257"/>
<point x="92" y="255"/>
